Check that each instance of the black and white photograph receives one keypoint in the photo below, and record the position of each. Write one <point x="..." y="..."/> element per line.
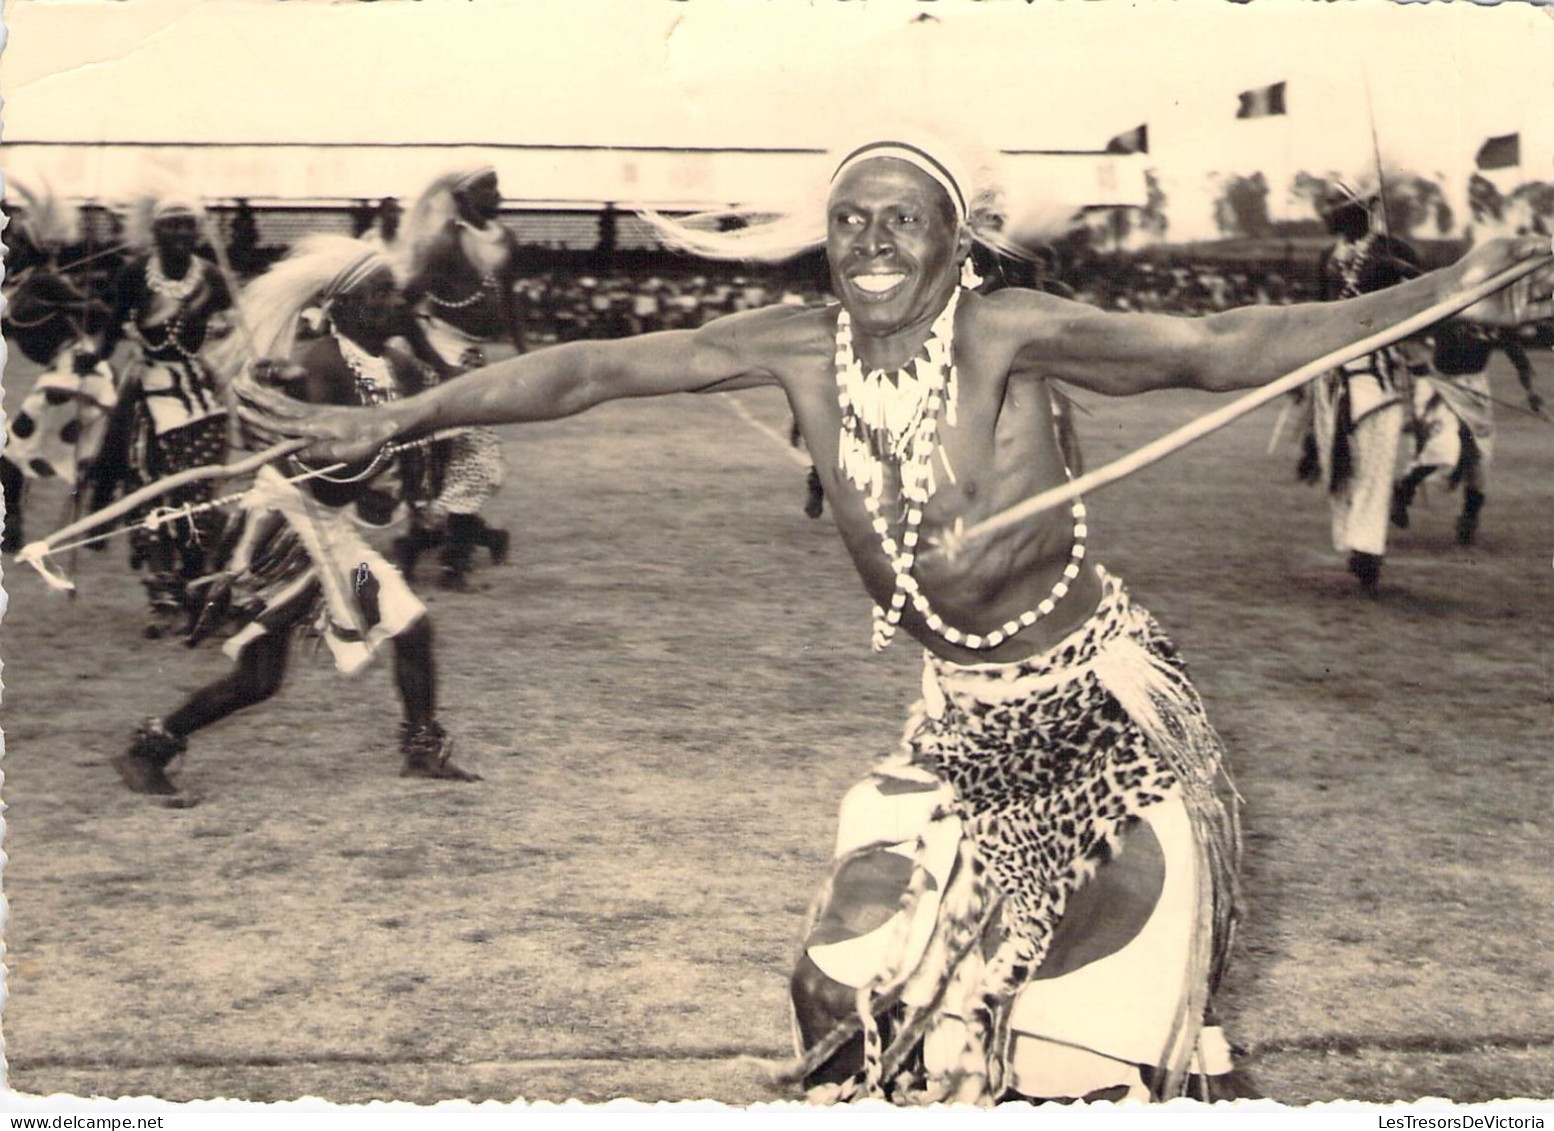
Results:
<point x="986" y="553"/>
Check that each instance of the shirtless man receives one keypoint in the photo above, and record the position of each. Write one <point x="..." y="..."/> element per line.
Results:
<point x="463" y="264"/>
<point x="1056" y="722"/>
<point x="300" y="560"/>
<point x="1454" y="418"/>
<point x="49" y="313"/>
<point x="166" y="299"/>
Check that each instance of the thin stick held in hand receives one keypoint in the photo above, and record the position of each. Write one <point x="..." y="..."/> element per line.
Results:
<point x="1175" y="441"/>
<point x="35" y="554"/>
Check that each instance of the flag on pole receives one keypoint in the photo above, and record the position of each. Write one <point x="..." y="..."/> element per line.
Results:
<point x="1262" y="102"/>
<point x="1504" y="152"/>
<point x="1135" y="140"/>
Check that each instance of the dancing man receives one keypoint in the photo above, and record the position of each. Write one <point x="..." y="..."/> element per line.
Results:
<point x="50" y="316"/>
<point x="463" y="266"/>
<point x="1033" y="896"/>
<point x="1357" y="412"/>
<point x="1454" y="419"/>
<point x="172" y="411"/>
<point x="299" y="562"/>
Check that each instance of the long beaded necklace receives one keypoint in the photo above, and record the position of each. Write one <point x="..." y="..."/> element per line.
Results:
<point x="172" y="338"/>
<point x="895" y="418"/>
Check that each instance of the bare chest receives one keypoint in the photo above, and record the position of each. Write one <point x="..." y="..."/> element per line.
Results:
<point x="989" y="442"/>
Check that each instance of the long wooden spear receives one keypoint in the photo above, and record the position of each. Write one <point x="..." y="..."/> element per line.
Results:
<point x="957" y="540"/>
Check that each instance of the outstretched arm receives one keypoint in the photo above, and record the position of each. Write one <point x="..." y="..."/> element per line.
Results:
<point x="1121" y="354"/>
<point x="547" y="385"/>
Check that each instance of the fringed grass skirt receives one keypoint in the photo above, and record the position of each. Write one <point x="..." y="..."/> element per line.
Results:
<point x="1035" y="894"/>
<point x="317" y="573"/>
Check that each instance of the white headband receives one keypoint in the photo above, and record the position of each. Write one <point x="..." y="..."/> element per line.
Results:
<point x="470" y="176"/>
<point x="172" y="207"/>
<point x="353" y="274"/>
<point x="916" y="157"/>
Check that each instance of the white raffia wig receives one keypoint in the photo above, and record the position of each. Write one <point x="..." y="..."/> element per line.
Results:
<point x="770" y="232"/>
<point x="318" y="269"/>
<point x="431" y="212"/>
<point x="141" y="213"/>
<point x="48" y="220"/>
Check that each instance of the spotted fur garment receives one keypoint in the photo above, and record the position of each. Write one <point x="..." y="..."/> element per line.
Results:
<point x="1048" y="758"/>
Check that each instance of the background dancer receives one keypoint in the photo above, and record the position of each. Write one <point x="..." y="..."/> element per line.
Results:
<point x="1454" y="417"/>
<point x="172" y="411"/>
<point x="50" y="316"/>
<point x="384" y="232"/>
<point x="1357" y="412"/>
<point x="463" y="266"/>
<point x="299" y="562"/>
<point x="926" y="407"/>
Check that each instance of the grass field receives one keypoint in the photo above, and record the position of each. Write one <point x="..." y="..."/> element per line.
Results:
<point x="668" y="691"/>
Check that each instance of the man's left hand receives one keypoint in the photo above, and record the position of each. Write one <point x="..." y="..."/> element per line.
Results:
<point x="1529" y="300"/>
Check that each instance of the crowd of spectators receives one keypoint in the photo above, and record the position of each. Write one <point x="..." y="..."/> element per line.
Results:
<point x="566" y="307"/>
<point x="562" y="306"/>
<point x="1184" y="286"/>
<point x="565" y="300"/>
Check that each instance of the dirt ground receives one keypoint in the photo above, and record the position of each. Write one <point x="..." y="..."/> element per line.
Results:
<point x="667" y="691"/>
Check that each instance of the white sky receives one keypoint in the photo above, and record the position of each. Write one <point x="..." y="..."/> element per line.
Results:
<point x="1442" y="77"/>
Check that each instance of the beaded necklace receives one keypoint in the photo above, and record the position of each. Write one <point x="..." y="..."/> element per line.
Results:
<point x="492" y="235"/>
<point x="893" y="419"/>
<point x="178" y="292"/>
<point x="1350" y="259"/>
<point x="488" y="285"/>
<point x="175" y="289"/>
<point x="374" y="373"/>
<point x="172" y="338"/>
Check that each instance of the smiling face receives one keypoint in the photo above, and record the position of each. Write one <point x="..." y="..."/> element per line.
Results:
<point x="894" y="245"/>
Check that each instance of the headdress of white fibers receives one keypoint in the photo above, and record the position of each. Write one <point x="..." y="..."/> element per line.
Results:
<point x="143" y="211"/>
<point x="49" y="221"/>
<point x="318" y="269"/>
<point x="770" y="233"/>
<point x="430" y="214"/>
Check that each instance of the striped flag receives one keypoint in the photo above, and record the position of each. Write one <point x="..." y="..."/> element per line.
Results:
<point x="1135" y="140"/>
<point x="1262" y="102"/>
<point x="1504" y="152"/>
